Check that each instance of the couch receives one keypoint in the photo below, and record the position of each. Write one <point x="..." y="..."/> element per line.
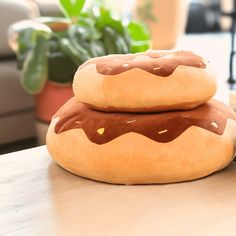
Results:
<point x="16" y="106"/>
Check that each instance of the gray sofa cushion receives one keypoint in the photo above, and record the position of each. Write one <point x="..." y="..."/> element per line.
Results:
<point x="48" y="8"/>
<point x="12" y="96"/>
<point x="17" y="127"/>
<point x="12" y="11"/>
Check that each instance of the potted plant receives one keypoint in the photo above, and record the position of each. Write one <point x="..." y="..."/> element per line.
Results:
<point x="50" y="49"/>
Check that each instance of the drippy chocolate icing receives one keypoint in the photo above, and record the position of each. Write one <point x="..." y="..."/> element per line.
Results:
<point x="101" y="127"/>
<point x="161" y="63"/>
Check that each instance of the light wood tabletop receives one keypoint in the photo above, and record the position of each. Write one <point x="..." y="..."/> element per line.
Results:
<point x="37" y="197"/>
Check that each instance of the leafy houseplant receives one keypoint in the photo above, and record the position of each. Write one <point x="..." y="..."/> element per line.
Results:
<point x="52" y="48"/>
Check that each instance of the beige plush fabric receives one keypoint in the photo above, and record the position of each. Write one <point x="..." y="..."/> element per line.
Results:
<point x="137" y="90"/>
<point x="135" y="159"/>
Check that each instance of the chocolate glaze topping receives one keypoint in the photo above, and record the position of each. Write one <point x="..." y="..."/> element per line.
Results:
<point x="101" y="127"/>
<point x="161" y="63"/>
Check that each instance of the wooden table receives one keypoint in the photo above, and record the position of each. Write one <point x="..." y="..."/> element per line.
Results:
<point x="37" y="197"/>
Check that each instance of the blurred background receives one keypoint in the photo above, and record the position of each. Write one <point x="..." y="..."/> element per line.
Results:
<point x="43" y="42"/>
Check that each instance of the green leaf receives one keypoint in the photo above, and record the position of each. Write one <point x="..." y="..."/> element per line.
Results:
<point x="104" y="19"/>
<point x="109" y="37"/>
<point x="121" y="45"/>
<point x="77" y="7"/>
<point x="87" y="39"/>
<point x="66" y="8"/>
<point x="140" y="37"/>
<point x="25" y="41"/>
<point x="139" y="46"/>
<point x="34" y="74"/>
<point x="71" y="8"/>
<point x="61" y="68"/>
<point x="23" y="35"/>
<point x="114" y="42"/>
<point x="127" y="37"/>
<point x="54" y="46"/>
<point x="97" y="49"/>
<point x="83" y="32"/>
<point x="138" y="31"/>
<point x="75" y="52"/>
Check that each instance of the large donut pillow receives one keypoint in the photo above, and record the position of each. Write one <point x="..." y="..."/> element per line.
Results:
<point x="129" y="148"/>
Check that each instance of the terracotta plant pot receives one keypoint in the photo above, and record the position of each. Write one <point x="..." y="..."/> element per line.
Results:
<point x="46" y="105"/>
<point x="169" y="20"/>
<point x="51" y="99"/>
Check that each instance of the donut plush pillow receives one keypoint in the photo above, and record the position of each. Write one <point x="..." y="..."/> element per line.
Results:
<point x="145" y="82"/>
<point x="132" y="124"/>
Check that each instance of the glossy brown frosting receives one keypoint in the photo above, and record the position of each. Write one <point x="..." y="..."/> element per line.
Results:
<point x="101" y="127"/>
<point x="161" y="63"/>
